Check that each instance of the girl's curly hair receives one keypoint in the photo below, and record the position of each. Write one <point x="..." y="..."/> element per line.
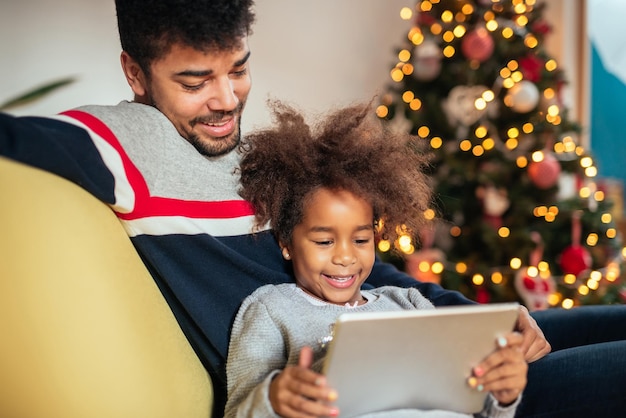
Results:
<point x="348" y="150"/>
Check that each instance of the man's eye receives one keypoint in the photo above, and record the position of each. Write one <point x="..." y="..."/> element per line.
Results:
<point x="192" y="87"/>
<point x="241" y="73"/>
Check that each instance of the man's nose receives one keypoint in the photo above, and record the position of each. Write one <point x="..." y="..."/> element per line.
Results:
<point x="223" y="96"/>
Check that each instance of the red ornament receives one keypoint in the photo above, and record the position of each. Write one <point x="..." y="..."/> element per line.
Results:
<point x="575" y="259"/>
<point x="545" y="173"/>
<point x="531" y="67"/>
<point x="482" y="296"/>
<point x="541" y="27"/>
<point x="477" y="45"/>
<point x="424" y="19"/>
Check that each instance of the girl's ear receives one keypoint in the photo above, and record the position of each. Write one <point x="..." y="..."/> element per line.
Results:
<point x="285" y="251"/>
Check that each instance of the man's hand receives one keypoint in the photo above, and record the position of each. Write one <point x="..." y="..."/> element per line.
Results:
<point x="535" y="344"/>
<point x="299" y="392"/>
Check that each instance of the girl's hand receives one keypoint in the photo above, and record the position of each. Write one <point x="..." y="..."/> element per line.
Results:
<point x="299" y="392"/>
<point x="503" y="372"/>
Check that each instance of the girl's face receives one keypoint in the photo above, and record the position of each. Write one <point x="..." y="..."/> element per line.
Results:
<point x="332" y="249"/>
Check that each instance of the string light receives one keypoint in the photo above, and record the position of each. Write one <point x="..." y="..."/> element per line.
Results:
<point x="384" y="245"/>
<point x="550" y="65"/>
<point x="426" y="6"/>
<point x="507" y="33"/>
<point x="511" y="143"/>
<point x="478" y="279"/>
<point x="436" y="142"/>
<point x="406" y="13"/>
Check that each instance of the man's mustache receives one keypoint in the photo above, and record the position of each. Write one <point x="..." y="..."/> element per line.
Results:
<point x="217" y="116"/>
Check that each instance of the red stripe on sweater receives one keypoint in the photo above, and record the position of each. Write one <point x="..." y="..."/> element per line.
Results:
<point x="147" y="205"/>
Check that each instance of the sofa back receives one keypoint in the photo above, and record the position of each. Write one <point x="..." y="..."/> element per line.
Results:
<point x="84" y="331"/>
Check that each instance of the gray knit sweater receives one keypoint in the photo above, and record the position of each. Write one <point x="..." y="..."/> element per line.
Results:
<point x="276" y="321"/>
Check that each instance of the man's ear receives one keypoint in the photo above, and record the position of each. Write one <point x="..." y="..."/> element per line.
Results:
<point x="135" y="76"/>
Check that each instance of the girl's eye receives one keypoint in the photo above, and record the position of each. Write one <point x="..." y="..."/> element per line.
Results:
<point x="362" y="241"/>
<point x="323" y="243"/>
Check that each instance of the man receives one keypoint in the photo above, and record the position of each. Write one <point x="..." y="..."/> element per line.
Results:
<point x="165" y="164"/>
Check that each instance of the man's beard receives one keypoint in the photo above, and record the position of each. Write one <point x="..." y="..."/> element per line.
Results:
<point x="216" y="148"/>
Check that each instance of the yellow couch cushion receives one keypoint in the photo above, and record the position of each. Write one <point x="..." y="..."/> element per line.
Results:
<point x="85" y="332"/>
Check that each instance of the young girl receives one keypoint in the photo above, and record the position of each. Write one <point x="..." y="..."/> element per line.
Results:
<point x="328" y="194"/>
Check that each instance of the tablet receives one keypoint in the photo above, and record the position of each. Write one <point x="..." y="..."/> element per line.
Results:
<point x="420" y="359"/>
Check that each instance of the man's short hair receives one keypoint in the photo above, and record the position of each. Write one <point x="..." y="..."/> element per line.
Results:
<point x="148" y="28"/>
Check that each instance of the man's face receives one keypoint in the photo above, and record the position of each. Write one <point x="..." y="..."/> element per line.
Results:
<point x="202" y="93"/>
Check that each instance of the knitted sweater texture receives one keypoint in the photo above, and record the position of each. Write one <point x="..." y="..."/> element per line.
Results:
<point x="273" y="325"/>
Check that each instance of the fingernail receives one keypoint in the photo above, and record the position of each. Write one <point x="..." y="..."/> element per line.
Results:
<point x="502" y="342"/>
<point x="472" y="382"/>
<point x="319" y="381"/>
<point x="334" y="412"/>
<point x="478" y="371"/>
<point x="332" y="395"/>
<point x="480" y="388"/>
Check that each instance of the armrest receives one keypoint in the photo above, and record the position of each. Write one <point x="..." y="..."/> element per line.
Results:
<point x="85" y="332"/>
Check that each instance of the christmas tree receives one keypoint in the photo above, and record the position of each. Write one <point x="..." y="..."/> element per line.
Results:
<point x="519" y="213"/>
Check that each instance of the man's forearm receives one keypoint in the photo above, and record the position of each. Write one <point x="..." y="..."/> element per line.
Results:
<point x="385" y="274"/>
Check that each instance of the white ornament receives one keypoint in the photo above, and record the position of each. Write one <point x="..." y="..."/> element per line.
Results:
<point x="523" y="96"/>
<point x="534" y="290"/>
<point x="568" y="188"/>
<point x="495" y="201"/>
<point x="427" y="61"/>
<point x="400" y="123"/>
<point x="460" y="105"/>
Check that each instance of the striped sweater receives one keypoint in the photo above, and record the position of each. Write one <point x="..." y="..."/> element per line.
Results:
<point x="181" y="211"/>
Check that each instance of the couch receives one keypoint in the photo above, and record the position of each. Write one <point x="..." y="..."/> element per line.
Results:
<point x="85" y="332"/>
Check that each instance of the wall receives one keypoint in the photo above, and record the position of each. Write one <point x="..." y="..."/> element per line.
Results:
<point x="44" y="41"/>
<point x="608" y="86"/>
<point x="566" y="44"/>
<point x="314" y="54"/>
